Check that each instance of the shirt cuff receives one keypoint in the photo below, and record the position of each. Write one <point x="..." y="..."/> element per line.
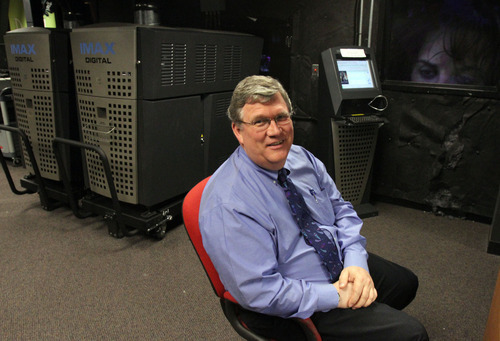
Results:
<point x="328" y="297"/>
<point x="356" y="259"/>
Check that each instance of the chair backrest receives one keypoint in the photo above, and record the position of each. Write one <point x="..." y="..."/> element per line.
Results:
<point x="190" y="213"/>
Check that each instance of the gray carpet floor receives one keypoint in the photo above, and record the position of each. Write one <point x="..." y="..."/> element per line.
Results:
<point x="64" y="278"/>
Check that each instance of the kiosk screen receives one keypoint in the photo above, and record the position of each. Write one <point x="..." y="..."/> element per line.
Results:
<point x="355" y="74"/>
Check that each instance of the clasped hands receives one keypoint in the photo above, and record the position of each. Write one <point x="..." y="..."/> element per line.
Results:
<point x="355" y="287"/>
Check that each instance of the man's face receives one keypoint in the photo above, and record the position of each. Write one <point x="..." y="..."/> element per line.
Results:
<point x="268" y="148"/>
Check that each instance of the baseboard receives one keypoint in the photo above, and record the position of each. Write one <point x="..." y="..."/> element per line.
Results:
<point x="494" y="247"/>
<point x="366" y="210"/>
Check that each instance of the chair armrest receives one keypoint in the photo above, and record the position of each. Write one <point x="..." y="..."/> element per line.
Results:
<point x="230" y="309"/>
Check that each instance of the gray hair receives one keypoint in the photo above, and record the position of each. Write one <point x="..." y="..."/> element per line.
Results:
<point x="255" y="89"/>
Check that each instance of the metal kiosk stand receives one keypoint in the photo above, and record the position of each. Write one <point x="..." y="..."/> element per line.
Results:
<point x="350" y="102"/>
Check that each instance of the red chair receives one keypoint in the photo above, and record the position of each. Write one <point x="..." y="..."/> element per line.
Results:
<point x="190" y="213"/>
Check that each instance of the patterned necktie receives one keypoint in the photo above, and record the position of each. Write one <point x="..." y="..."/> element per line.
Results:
<point x="310" y="230"/>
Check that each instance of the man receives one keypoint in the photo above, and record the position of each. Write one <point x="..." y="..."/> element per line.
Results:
<point x="252" y="234"/>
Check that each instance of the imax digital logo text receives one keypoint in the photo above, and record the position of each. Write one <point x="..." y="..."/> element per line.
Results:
<point x="22" y="49"/>
<point x="97" y="48"/>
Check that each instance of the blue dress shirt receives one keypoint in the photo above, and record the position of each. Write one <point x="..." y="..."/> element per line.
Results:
<point x="255" y="244"/>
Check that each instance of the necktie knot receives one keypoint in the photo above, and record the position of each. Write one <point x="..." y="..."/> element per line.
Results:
<point x="282" y="177"/>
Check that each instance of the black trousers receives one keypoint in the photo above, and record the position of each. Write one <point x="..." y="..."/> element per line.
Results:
<point x="382" y="320"/>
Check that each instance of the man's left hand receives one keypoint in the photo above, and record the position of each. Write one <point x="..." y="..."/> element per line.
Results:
<point x="364" y="292"/>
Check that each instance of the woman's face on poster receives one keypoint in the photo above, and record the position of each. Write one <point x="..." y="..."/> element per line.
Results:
<point x="435" y="65"/>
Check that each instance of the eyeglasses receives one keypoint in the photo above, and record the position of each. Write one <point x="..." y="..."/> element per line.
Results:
<point x="263" y="123"/>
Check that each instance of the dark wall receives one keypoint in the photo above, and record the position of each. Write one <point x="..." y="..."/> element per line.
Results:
<point x="440" y="148"/>
<point x="316" y="27"/>
<point x="4" y="27"/>
<point x="440" y="151"/>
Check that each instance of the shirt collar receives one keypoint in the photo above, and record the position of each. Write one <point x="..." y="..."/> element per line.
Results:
<point x="269" y="173"/>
